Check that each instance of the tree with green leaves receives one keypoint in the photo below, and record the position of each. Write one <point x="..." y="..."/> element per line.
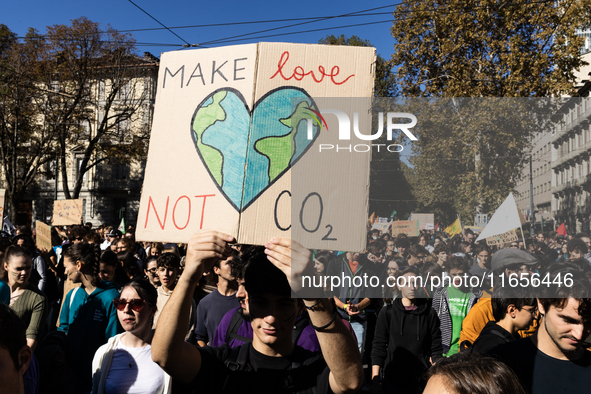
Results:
<point x="385" y="82"/>
<point x="389" y="189"/>
<point x="480" y="49"/>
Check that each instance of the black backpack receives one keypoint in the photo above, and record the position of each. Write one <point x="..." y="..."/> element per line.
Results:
<point x="241" y="376"/>
<point x="56" y="376"/>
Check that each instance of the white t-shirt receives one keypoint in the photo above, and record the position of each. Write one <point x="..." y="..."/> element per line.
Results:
<point x="133" y="371"/>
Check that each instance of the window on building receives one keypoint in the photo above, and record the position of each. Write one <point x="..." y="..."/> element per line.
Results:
<point x="124" y="91"/>
<point x="79" y="168"/>
<point x="121" y="171"/>
<point x="101" y="90"/>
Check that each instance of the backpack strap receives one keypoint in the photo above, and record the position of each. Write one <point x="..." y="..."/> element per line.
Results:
<point x="298" y="328"/>
<point x="234" y="326"/>
<point x="238" y="358"/>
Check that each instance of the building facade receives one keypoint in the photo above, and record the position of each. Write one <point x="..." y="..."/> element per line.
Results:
<point x="111" y="189"/>
<point x="571" y="163"/>
<point x="541" y="178"/>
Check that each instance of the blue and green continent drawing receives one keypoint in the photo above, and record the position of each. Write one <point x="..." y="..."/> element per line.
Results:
<point x="240" y="148"/>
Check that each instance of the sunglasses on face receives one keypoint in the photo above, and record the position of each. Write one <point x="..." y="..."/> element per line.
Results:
<point x="136" y="304"/>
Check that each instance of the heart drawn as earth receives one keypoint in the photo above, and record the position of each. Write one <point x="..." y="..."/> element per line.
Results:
<point x="244" y="150"/>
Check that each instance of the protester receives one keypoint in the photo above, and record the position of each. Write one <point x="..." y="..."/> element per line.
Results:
<point x="38" y="263"/>
<point x="168" y="271"/>
<point x="16" y="357"/>
<point x="124" y="363"/>
<point x="110" y="270"/>
<point x="554" y="359"/>
<point x="155" y="249"/>
<point x="453" y="302"/>
<point x="576" y="249"/>
<point x="481" y="266"/>
<point x="466" y="373"/>
<point x="402" y="245"/>
<point x="151" y="271"/>
<point x="216" y="304"/>
<point x="235" y="329"/>
<point x="441" y="251"/>
<point x="130" y="265"/>
<point x="514" y="309"/>
<point x="26" y="300"/>
<point x="350" y="300"/>
<point x="505" y="263"/>
<point x="407" y="338"/>
<point x="417" y="256"/>
<point x="88" y="315"/>
<point x="271" y="363"/>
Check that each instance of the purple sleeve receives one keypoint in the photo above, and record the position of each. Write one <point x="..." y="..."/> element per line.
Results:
<point x="220" y="333"/>
<point x="308" y="340"/>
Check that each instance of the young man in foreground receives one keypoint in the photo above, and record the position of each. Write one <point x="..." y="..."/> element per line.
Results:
<point x="271" y="363"/>
<point x="554" y="359"/>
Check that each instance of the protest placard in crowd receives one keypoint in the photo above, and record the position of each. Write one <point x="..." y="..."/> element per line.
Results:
<point x="67" y="212"/>
<point x="43" y="236"/>
<point x="502" y="239"/>
<point x="408" y="227"/>
<point x="236" y="146"/>
<point x="426" y="220"/>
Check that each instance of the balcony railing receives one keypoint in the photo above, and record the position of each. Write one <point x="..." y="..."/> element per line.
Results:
<point x="562" y="129"/>
<point x="580" y="181"/>
<point x="572" y="155"/>
<point x="133" y="185"/>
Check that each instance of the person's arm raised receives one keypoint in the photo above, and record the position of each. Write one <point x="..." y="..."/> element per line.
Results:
<point x="338" y="346"/>
<point x="178" y="358"/>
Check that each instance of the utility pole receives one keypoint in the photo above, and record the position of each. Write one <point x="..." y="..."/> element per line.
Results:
<point x="532" y="218"/>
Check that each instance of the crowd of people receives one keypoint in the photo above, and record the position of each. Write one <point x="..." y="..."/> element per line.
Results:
<point x="102" y="313"/>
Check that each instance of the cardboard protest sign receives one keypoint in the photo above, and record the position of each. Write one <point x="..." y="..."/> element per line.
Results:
<point x="232" y="126"/>
<point x="43" y="237"/>
<point x="408" y="227"/>
<point x="67" y="212"/>
<point x="426" y="220"/>
<point x="501" y="239"/>
<point x="383" y="227"/>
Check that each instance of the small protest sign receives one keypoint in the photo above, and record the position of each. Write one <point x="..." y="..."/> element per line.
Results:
<point x="501" y="239"/>
<point x="408" y="227"/>
<point x="67" y="212"/>
<point x="43" y="237"/>
<point x="426" y="220"/>
<point x="383" y="227"/>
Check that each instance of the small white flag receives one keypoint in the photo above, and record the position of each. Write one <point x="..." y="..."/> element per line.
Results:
<point x="505" y="218"/>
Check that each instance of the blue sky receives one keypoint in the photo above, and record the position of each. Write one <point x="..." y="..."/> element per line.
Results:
<point x="123" y="15"/>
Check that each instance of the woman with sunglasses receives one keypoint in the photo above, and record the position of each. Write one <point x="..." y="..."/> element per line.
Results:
<point x="124" y="364"/>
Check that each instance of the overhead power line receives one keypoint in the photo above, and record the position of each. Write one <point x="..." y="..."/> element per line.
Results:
<point x="242" y="37"/>
<point x="160" y="23"/>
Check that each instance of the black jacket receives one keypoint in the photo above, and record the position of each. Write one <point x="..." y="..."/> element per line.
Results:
<point x="404" y="341"/>
<point x="491" y="335"/>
